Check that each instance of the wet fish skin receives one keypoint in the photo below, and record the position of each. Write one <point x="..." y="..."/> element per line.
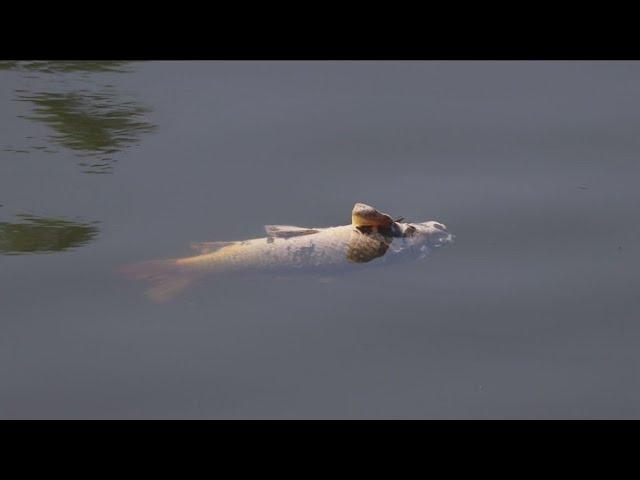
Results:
<point x="294" y="249"/>
<point x="329" y="246"/>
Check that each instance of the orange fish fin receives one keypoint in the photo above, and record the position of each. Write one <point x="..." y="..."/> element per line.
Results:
<point x="166" y="279"/>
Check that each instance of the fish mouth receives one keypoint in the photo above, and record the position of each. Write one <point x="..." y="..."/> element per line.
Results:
<point x="446" y="239"/>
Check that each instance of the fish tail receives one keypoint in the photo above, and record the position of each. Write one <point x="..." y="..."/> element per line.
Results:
<point x="166" y="278"/>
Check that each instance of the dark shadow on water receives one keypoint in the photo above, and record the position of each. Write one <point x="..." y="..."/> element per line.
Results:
<point x="34" y="234"/>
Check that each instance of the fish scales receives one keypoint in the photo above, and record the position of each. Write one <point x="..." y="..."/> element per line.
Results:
<point x="326" y="247"/>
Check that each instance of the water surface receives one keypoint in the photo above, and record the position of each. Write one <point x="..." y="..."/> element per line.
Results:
<point x="533" y="313"/>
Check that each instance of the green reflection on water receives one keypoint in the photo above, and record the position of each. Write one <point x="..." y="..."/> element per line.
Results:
<point x="91" y="123"/>
<point x="61" y="66"/>
<point x="34" y="234"/>
<point x="94" y="121"/>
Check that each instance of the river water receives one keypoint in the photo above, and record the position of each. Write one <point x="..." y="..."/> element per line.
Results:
<point x="532" y="313"/>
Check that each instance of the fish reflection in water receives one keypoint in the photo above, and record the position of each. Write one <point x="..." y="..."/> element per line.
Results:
<point x="34" y="234"/>
<point x="371" y="236"/>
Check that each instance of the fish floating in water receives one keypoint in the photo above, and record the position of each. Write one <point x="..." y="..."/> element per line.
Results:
<point x="372" y="235"/>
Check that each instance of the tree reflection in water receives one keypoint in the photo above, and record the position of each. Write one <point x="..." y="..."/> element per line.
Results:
<point x="34" y="234"/>
<point x="66" y="66"/>
<point x="95" y="122"/>
<point x="95" y="125"/>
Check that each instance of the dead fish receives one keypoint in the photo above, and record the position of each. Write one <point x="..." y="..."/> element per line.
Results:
<point x="372" y="235"/>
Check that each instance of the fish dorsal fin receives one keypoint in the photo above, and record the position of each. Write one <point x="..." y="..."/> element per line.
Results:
<point x="364" y="215"/>
<point x="209" y="247"/>
<point x="286" y="231"/>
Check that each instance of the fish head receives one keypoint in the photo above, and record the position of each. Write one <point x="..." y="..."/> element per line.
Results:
<point x="425" y="235"/>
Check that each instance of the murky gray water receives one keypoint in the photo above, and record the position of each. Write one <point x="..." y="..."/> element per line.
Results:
<point x="533" y="313"/>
